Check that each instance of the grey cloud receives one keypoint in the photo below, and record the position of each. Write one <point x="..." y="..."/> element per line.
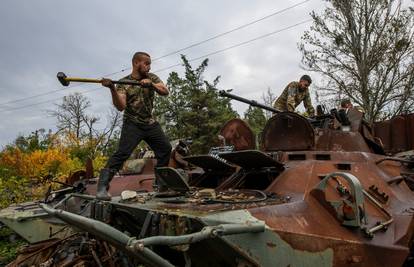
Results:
<point x="94" y="38"/>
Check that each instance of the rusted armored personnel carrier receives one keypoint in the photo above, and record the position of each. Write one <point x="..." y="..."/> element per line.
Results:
<point x="316" y="193"/>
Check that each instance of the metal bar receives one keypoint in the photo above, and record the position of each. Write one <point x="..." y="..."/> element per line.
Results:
<point x="88" y="197"/>
<point x="381" y="225"/>
<point x="146" y="224"/>
<point x="107" y="233"/>
<point x="87" y="80"/>
<point x="206" y="232"/>
<point x="137" y="247"/>
<point x="93" y="226"/>
<point x="62" y="201"/>
<point x="250" y="102"/>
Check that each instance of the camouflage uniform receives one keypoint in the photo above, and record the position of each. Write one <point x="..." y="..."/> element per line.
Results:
<point x="291" y="98"/>
<point x="139" y="124"/>
<point x="139" y="100"/>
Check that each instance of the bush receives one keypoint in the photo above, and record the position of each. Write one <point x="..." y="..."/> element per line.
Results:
<point x="9" y="245"/>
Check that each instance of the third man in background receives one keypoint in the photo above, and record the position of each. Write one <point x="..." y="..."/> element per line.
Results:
<point x="294" y="94"/>
<point x="346" y="104"/>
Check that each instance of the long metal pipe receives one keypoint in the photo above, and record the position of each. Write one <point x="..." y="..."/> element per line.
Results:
<point x="206" y="232"/>
<point x="138" y="247"/>
<point x="107" y="233"/>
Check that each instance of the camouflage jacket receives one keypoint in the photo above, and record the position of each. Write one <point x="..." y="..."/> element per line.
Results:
<point x="291" y="98"/>
<point x="139" y="100"/>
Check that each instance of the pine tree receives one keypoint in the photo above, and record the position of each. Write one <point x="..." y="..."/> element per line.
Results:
<point x="256" y="119"/>
<point x="193" y="108"/>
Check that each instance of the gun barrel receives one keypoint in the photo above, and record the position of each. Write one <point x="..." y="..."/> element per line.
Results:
<point x="250" y="102"/>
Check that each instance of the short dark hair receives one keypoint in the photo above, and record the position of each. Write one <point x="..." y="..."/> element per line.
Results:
<point x="306" y="78"/>
<point x="345" y="102"/>
<point x="138" y="56"/>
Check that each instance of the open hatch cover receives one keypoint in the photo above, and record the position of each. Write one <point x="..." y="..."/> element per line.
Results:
<point x="252" y="159"/>
<point x="208" y="163"/>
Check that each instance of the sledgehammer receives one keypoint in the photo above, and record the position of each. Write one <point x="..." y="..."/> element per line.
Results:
<point x="65" y="81"/>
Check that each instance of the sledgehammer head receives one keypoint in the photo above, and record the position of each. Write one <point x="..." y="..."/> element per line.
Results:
<point x="62" y="78"/>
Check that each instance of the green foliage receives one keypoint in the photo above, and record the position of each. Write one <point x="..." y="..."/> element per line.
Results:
<point x="37" y="140"/>
<point x="12" y="187"/>
<point x="256" y="119"/>
<point x="8" y="250"/>
<point x="80" y="152"/>
<point x="12" y="184"/>
<point x="112" y="144"/>
<point x="193" y="108"/>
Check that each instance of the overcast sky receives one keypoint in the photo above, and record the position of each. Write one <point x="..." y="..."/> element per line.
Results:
<point x="96" y="38"/>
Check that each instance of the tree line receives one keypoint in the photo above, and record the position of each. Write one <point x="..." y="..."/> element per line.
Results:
<point x="362" y="49"/>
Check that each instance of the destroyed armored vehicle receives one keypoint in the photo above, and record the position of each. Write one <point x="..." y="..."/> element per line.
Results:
<point x="317" y="192"/>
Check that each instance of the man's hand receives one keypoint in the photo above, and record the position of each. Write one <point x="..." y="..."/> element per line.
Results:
<point x="146" y="82"/>
<point x="108" y="83"/>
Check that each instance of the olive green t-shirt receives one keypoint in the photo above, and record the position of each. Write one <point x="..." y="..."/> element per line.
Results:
<point x="139" y="100"/>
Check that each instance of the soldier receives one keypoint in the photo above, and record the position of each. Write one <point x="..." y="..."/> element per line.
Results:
<point x="346" y="104"/>
<point x="138" y="123"/>
<point x="294" y="93"/>
<point x="342" y="116"/>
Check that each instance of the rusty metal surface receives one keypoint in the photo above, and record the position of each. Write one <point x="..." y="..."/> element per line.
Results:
<point x="301" y="230"/>
<point x="382" y="130"/>
<point x="410" y="130"/>
<point x="397" y="134"/>
<point x="251" y="159"/>
<point x="237" y="132"/>
<point x="326" y="200"/>
<point x="307" y="225"/>
<point x="138" y="182"/>
<point x="328" y="140"/>
<point x="287" y="131"/>
<point x="298" y="221"/>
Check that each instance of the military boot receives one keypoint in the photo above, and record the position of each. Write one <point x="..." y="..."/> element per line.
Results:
<point x="105" y="178"/>
<point x="158" y="185"/>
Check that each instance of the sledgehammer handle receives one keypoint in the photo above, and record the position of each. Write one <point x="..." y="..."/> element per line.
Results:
<point x="66" y="80"/>
<point x="86" y="80"/>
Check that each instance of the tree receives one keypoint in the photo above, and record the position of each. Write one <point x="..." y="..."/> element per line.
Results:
<point x="71" y="114"/>
<point x="37" y="140"/>
<point x="268" y="99"/>
<point x="80" y="128"/>
<point x="256" y="119"/>
<point x="193" y="108"/>
<point x="364" y="49"/>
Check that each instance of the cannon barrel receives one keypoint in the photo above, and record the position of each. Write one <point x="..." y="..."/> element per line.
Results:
<point x="250" y="102"/>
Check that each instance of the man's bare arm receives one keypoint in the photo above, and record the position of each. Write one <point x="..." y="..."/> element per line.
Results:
<point x="160" y="87"/>
<point x="118" y="99"/>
